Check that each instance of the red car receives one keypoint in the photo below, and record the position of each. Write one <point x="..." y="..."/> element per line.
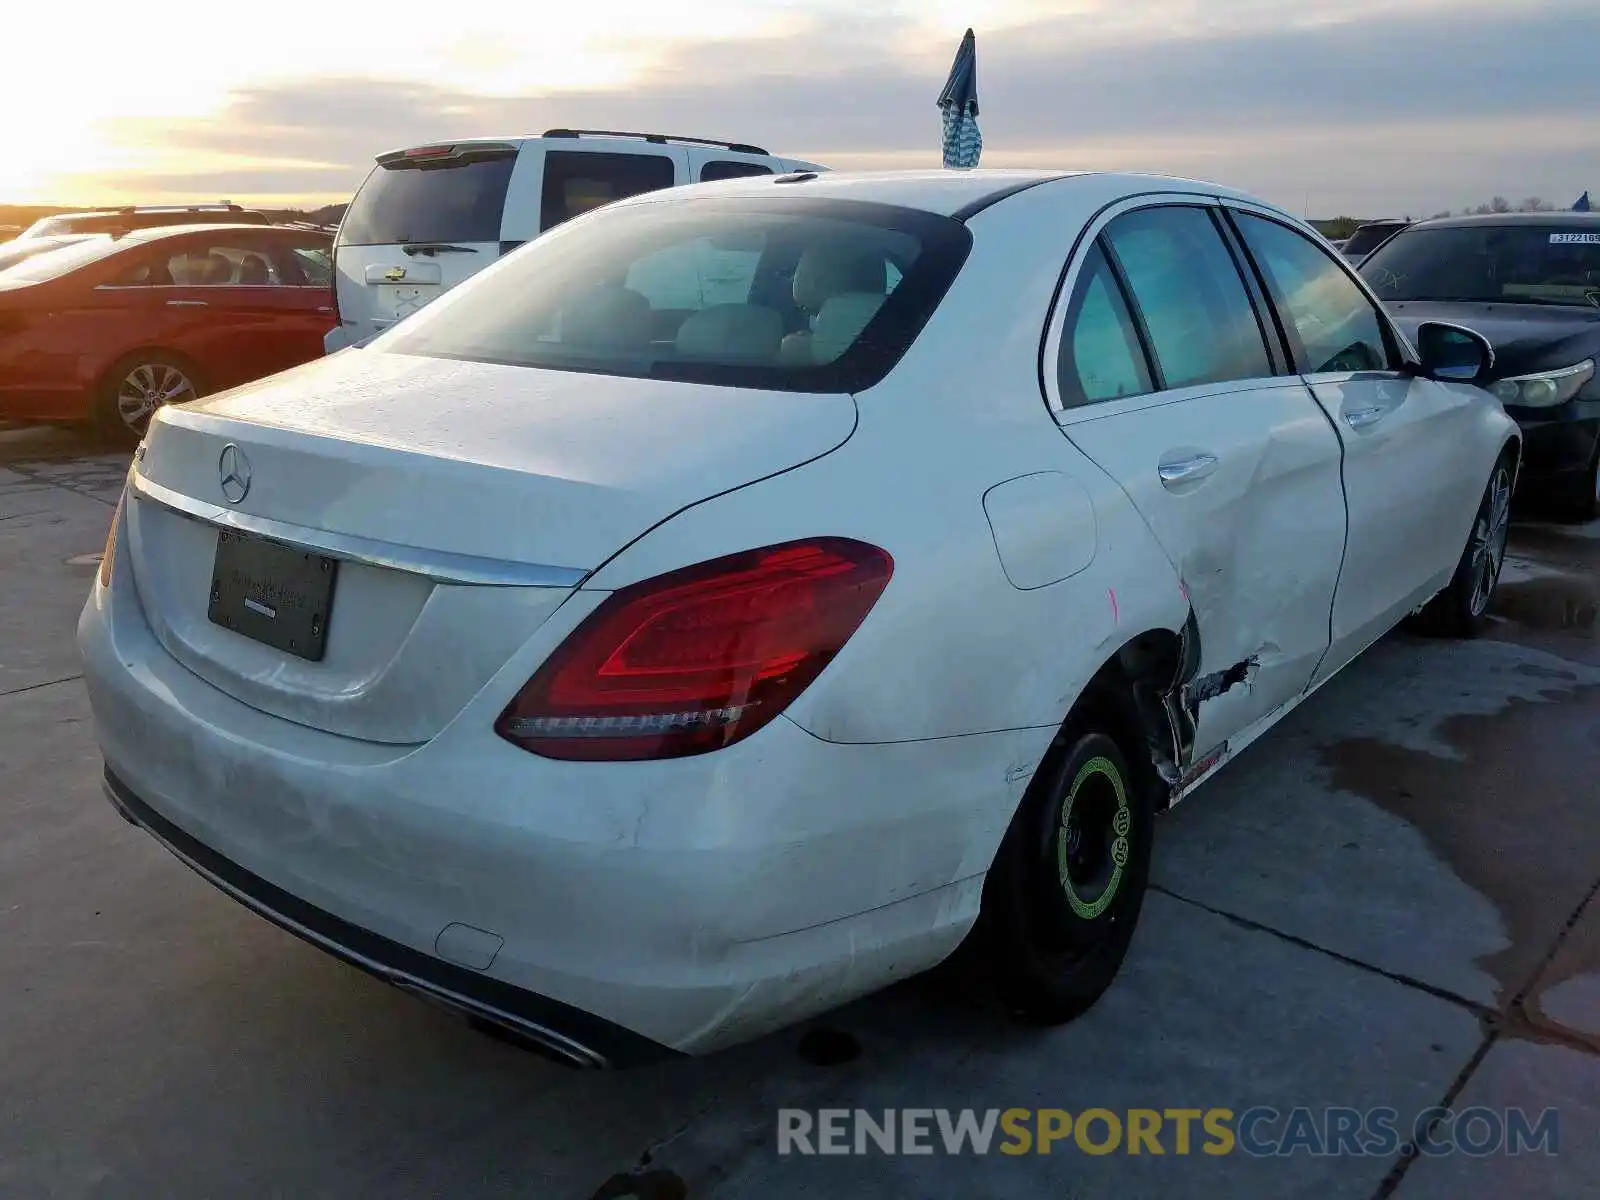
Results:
<point x="109" y="329"/>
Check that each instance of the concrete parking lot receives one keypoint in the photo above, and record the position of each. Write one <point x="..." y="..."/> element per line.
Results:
<point x="1391" y="901"/>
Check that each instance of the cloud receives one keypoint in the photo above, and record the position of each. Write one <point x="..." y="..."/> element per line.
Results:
<point x="1435" y="106"/>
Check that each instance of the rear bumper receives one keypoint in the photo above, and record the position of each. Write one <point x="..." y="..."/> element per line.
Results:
<point x="567" y="1034"/>
<point x="615" y="911"/>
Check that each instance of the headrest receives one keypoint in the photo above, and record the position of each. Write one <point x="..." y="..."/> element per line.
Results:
<point x="738" y="332"/>
<point x="831" y="270"/>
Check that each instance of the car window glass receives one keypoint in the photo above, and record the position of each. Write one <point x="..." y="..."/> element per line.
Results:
<point x="577" y="181"/>
<point x="776" y="293"/>
<point x="695" y="274"/>
<point x="1101" y="358"/>
<point x="722" y="168"/>
<point x="315" y="264"/>
<point x="1338" y="326"/>
<point x="457" y="200"/>
<point x="1195" y="308"/>
<point x="1510" y="264"/>
<point x="221" y="262"/>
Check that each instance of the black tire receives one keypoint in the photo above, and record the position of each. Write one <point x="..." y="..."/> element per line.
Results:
<point x="171" y="377"/>
<point x="1462" y="609"/>
<point x="1061" y="902"/>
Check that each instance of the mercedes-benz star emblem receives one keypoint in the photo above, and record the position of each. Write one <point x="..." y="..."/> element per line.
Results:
<point x="233" y="472"/>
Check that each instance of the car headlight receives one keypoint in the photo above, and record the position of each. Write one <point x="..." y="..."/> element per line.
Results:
<point x="1546" y="389"/>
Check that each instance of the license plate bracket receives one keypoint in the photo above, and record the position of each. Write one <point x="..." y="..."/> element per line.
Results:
<point x="274" y="594"/>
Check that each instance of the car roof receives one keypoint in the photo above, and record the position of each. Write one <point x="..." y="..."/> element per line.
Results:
<point x="947" y="193"/>
<point x="589" y="137"/>
<point x="1536" y="219"/>
<point x="159" y="232"/>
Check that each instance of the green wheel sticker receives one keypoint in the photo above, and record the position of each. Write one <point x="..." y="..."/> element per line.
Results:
<point x="1121" y="824"/>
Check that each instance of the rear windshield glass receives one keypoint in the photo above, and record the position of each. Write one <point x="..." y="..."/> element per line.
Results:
<point x="55" y="263"/>
<point x="1526" y="264"/>
<point x="12" y="253"/>
<point x="793" y="294"/>
<point x="1366" y="239"/>
<point x="452" y="201"/>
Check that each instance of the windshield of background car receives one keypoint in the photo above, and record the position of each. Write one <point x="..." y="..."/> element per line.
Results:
<point x="1517" y="264"/>
<point x="451" y="200"/>
<point x="793" y="294"/>
<point x="41" y="268"/>
<point x="1363" y="240"/>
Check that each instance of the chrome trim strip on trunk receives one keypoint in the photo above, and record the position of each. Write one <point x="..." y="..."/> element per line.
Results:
<point x="441" y="566"/>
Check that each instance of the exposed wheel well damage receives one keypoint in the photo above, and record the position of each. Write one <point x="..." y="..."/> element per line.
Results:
<point x="1153" y="672"/>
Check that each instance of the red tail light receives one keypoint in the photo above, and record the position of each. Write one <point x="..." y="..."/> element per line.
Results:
<point x="699" y="658"/>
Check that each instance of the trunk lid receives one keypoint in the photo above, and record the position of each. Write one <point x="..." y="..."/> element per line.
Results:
<point x="463" y="500"/>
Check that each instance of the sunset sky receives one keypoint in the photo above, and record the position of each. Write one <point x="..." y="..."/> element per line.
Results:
<point x="1337" y="105"/>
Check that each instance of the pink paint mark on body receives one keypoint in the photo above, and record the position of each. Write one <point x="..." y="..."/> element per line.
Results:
<point x="1112" y="592"/>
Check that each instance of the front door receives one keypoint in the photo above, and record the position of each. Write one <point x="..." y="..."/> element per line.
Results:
<point x="1168" y="384"/>
<point x="1401" y="434"/>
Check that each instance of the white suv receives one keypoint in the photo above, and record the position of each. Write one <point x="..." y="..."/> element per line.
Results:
<point x="431" y="216"/>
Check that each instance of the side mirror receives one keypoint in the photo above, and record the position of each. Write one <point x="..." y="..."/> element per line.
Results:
<point x="1454" y="353"/>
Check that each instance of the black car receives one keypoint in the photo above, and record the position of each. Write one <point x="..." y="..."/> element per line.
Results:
<point x="1530" y="283"/>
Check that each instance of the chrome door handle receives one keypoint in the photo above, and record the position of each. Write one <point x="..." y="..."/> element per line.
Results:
<point x="1181" y="470"/>
<point x="186" y="304"/>
<point x="1360" y="418"/>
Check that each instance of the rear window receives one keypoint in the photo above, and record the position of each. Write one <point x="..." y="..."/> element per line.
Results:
<point x="1514" y="264"/>
<point x="1368" y="238"/>
<point x="456" y="200"/>
<point x="780" y="293"/>
<point x="55" y="263"/>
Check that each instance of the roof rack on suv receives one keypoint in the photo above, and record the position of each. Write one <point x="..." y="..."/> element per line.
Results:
<point x="161" y="208"/>
<point x="659" y="139"/>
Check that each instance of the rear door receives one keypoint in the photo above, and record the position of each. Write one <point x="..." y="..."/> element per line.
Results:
<point x="1170" y="378"/>
<point x="237" y="306"/>
<point x="425" y="220"/>
<point x="1402" y="435"/>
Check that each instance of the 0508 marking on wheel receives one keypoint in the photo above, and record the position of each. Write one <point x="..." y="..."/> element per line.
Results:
<point x="1092" y="841"/>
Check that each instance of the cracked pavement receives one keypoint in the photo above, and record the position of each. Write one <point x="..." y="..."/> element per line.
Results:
<point x="1390" y="900"/>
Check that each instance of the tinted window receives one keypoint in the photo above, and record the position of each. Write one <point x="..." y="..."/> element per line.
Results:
<point x="315" y="264"/>
<point x="453" y="200"/>
<point x="1526" y="264"/>
<point x="723" y="168"/>
<point x="1368" y="238"/>
<point x="217" y="261"/>
<point x="1338" y="327"/>
<point x="1195" y="309"/>
<point x="783" y="293"/>
<point x="575" y="182"/>
<point x="1101" y="358"/>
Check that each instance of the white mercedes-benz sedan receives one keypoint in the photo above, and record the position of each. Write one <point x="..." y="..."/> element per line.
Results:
<point x="742" y="596"/>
